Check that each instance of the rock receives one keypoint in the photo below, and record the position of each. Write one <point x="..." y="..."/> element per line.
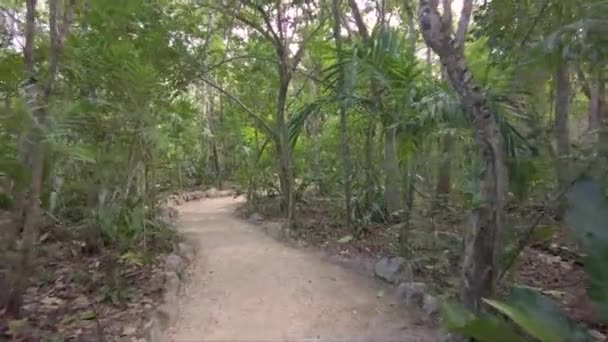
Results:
<point x="345" y="239"/>
<point x="394" y="270"/>
<point x="174" y="263"/>
<point x="185" y="250"/>
<point x="255" y="218"/>
<point x="152" y="331"/>
<point x="430" y="307"/>
<point x="129" y="330"/>
<point x="212" y="193"/>
<point x="412" y="294"/>
<point x="167" y="213"/>
<point x="227" y="193"/>
<point x="172" y="283"/>
<point x="598" y="336"/>
<point x="450" y="241"/>
<point x="80" y="302"/>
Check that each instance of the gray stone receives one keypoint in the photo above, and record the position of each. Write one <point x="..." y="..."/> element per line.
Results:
<point x="167" y="213"/>
<point x="430" y="307"/>
<point x="185" y="250"/>
<point x="255" y="218"/>
<point x="394" y="270"/>
<point x="212" y="193"/>
<point x="174" y="263"/>
<point x="172" y="282"/>
<point x="152" y="331"/>
<point x="450" y="241"/>
<point x="412" y="294"/>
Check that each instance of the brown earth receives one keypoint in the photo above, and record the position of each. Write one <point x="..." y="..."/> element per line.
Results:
<point x="247" y="286"/>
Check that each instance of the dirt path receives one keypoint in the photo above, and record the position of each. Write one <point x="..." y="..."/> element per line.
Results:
<point x="246" y="286"/>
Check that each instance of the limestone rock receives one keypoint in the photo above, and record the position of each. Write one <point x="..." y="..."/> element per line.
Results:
<point x="255" y="218"/>
<point x="212" y="193"/>
<point x="185" y="250"/>
<point x="430" y="307"/>
<point x="174" y="263"/>
<point x="412" y="294"/>
<point x="394" y="270"/>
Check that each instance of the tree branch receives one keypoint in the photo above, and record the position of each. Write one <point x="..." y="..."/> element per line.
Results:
<point x="57" y="34"/>
<point x="463" y="23"/>
<point x="278" y="41"/>
<point x="447" y="15"/>
<point x="265" y="127"/>
<point x="359" y="20"/>
<point x="298" y="56"/>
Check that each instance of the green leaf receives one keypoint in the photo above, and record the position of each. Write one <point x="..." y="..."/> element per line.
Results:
<point x="345" y="239"/>
<point x="456" y="318"/>
<point x="588" y="216"/>
<point x="87" y="315"/>
<point x="537" y="316"/>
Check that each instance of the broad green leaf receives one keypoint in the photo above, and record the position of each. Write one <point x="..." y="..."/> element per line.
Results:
<point x="587" y="215"/>
<point x="457" y="319"/>
<point x="537" y="315"/>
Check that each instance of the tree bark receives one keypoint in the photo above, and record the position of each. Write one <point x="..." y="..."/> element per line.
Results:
<point x="392" y="187"/>
<point x="346" y="167"/>
<point x="480" y="262"/>
<point x="283" y="147"/>
<point x="369" y="161"/>
<point x="562" y="139"/>
<point x="409" y="191"/>
<point x="37" y="98"/>
<point x="444" y="181"/>
<point x="595" y="107"/>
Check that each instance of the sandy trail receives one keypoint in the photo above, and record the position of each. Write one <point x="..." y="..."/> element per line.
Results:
<point x="246" y="286"/>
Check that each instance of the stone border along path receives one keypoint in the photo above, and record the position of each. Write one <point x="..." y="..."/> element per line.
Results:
<point x="246" y="286"/>
<point x="157" y="322"/>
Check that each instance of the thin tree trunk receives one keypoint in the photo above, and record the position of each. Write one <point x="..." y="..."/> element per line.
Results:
<point x="410" y="186"/>
<point x="369" y="161"/>
<point x="315" y="132"/>
<point x="392" y="199"/>
<point x="602" y="149"/>
<point x="595" y="106"/>
<point x="562" y="109"/>
<point x="37" y="97"/>
<point x="392" y="185"/>
<point x="444" y="182"/>
<point x="346" y="167"/>
<point x="283" y="148"/>
<point x="480" y="266"/>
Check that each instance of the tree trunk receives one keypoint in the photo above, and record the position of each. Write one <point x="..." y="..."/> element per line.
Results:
<point x="346" y="167"/>
<point x="30" y="230"/>
<point x="562" y="139"/>
<point x="480" y="266"/>
<point x="315" y="133"/>
<point x="37" y="98"/>
<point x="392" y="186"/>
<point x="392" y="199"/>
<point x="409" y="193"/>
<point x="594" y="104"/>
<point x="369" y="162"/>
<point x="444" y="182"/>
<point x="283" y="148"/>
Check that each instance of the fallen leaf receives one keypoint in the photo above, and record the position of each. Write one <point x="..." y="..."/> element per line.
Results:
<point x="87" y="315"/>
<point x="346" y="239"/>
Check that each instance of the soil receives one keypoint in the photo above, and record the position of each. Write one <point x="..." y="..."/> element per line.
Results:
<point x="246" y="286"/>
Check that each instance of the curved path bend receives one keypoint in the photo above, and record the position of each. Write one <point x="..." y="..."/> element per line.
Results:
<point x="246" y="286"/>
